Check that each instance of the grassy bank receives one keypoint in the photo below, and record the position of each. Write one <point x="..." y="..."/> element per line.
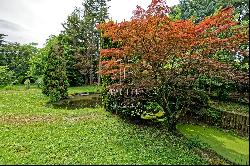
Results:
<point x="231" y="147"/>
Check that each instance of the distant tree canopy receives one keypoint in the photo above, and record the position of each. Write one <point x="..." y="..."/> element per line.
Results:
<point x="199" y="9"/>
<point x="81" y="41"/>
<point x="2" y="38"/>
<point x="38" y="61"/>
<point x="76" y="49"/>
<point x="16" y="58"/>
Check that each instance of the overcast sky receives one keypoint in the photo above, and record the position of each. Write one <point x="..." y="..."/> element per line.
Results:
<point x="27" y="21"/>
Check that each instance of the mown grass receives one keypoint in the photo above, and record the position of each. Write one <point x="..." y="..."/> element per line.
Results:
<point x="32" y="133"/>
<point x="231" y="147"/>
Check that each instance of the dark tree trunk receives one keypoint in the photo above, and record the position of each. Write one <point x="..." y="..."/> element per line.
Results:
<point x="172" y="126"/>
<point x="86" y="79"/>
<point x="91" y="77"/>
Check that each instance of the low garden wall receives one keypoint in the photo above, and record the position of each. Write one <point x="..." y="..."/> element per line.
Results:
<point x="235" y="121"/>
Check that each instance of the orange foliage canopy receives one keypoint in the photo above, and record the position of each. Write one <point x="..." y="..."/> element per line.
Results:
<point x="158" y="49"/>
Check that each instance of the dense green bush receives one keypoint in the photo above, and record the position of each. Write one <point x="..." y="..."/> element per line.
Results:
<point x="148" y="104"/>
<point x="195" y="142"/>
<point x="38" y="61"/>
<point x="55" y="81"/>
<point x="208" y="115"/>
<point x="39" y="82"/>
<point x="220" y="89"/>
<point x="6" y="76"/>
<point x="124" y="103"/>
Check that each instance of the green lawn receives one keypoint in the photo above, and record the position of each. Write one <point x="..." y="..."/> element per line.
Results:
<point x="32" y="133"/>
<point x="89" y="88"/>
<point x="233" y="148"/>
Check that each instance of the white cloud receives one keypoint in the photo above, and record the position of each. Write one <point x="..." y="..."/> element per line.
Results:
<point x="41" y="18"/>
<point x="122" y="9"/>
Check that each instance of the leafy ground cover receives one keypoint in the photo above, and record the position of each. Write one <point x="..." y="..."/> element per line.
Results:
<point x="231" y="147"/>
<point x="32" y="133"/>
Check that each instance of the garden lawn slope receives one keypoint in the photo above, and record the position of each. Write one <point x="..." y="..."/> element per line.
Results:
<point x="32" y="133"/>
<point x="233" y="148"/>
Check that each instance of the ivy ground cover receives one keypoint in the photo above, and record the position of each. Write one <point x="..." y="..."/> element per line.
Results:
<point x="32" y="133"/>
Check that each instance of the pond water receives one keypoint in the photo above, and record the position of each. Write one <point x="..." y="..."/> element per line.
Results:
<point x="80" y="100"/>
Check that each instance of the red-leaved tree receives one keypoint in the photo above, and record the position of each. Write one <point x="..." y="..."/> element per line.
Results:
<point x="156" y="52"/>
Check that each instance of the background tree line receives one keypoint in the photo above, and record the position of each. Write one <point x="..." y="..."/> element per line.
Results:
<point x="15" y="61"/>
<point x="80" y="42"/>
